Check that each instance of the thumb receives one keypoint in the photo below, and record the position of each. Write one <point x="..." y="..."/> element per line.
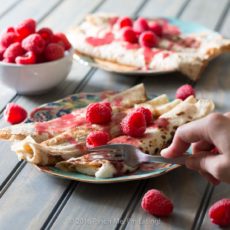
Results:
<point x="206" y="162"/>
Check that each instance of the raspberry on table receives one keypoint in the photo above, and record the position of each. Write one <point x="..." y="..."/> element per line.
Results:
<point x="54" y="51"/>
<point x="46" y="33"/>
<point x="148" y="39"/>
<point x="134" y="124"/>
<point x="219" y="213"/>
<point x="27" y="58"/>
<point x="147" y="113"/>
<point x="128" y="34"/>
<point x="124" y="22"/>
<point x="140" y="25"/>
<point x="62" y="39"/>
<point x="13" y="51"/>
<point x="7" y="39"/>
<point x="156" y="28"/>
<point x="97" y="138"/>
<point x="99" y="113"/>
<point x="185" y="91"/>
<point x="26" y="27"/>
<point x="34" y="43"/>
<point x="156" y="203"/>
<point x="14" y="113"/>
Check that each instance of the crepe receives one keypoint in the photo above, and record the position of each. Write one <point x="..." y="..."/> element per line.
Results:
<point x="72" y="143"/>
<point x="153" y="141"/>
<point x="41" y="131"/>
<point x="98" y="37"/>
<point x="99" y="165"/>
<point x="67" y="149"/>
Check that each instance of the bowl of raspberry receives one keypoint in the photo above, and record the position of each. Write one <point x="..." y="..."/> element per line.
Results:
<point x="33" y="60"/>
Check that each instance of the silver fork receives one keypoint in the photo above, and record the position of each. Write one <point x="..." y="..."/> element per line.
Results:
<point x="133" y="156"/>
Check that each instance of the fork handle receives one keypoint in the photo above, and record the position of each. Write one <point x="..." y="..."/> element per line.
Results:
<point x="177" y="160"/>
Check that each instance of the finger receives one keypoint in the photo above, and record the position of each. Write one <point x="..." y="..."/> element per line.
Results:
<point x="184" y="136"/>
<point x="205" y="161"/>
<point x="209" y="177"/>
<point x="227" y="114"/>
<point x="201" y="146"/>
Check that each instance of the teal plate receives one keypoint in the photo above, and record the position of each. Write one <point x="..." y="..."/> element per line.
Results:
<point x="185" y="28"/>
<point x="66" y="105"/>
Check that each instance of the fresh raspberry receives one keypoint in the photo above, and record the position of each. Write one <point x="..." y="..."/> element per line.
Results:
<point x="54" y="51"/>
<point x="2" y="50"/>
<point x="219" y="213"/>
<point x="185" y="91"/>
<point x="148" y="39"/>
<point x="108" y="105"/>
<point x="26" y="27"/>
<point x="156" y="28"/>
<point x="13" y="51"/>
<point x="134" y="124"/>
<point x="140" y="25"/>
<point x="99" y="113"/>
<point x="34" y="43"/>
<point x="161" y="123"/>
<point x="156" y="203"/>
<point x="97" y="138"/>
<point x="7" y="39"/>
<point x="14" y="113"/>
<point x="46" y="34"/>
<point x="61" y="39"/>
<point x="128" y="34"/>
<point x="10" y="29"/>
<point x="27" y="58"/>
<point x="147" y="113"/>
<point x="124" y="22"/>
<point x="40" y="58"/>
<point x="8" y="60"/>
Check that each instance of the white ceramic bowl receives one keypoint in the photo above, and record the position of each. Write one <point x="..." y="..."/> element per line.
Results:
<point x="37" y="78"/>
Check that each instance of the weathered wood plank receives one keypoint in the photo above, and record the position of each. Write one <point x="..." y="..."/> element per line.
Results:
<point x="42" y="208"/>
<point x="184" y="187"/>
<point x="166" y="9"/>
<point x="67" y="9"/>
<point x="7" y="6"/>
<point x="28" y="9"/>
<point x="95" y="205"/>
<point x="204" y="12"/>
<point x="226" y="25"/>
<point x="24" y="205"/>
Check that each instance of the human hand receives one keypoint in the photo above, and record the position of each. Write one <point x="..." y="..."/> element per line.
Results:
<point x="204" y="135"/>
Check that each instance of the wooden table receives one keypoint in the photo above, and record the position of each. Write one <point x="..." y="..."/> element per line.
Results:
<point x="33" y="200"/>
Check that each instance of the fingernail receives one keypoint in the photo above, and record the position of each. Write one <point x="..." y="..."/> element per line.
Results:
<point x="163" y="151"/>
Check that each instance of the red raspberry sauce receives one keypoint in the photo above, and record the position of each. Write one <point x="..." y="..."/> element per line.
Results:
<point x="107" y="39"/>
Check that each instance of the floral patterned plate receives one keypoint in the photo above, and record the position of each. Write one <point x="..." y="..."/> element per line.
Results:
<point x="66" y="105"/>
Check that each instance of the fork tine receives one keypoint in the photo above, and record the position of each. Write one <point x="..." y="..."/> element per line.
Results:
<point x="103" y="147"/>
